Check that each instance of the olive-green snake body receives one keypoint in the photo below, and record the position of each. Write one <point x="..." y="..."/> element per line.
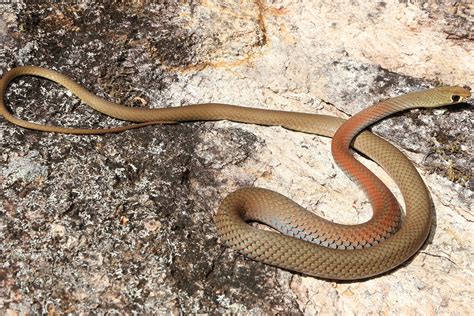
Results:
<point x="310" y="244"/>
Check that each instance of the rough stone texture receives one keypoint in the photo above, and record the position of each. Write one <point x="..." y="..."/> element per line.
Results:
<point x="123" y="223"/>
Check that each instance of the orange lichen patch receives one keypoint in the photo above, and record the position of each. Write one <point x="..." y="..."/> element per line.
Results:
<point x="277" y="11"/>
<point x="285" y="35"/>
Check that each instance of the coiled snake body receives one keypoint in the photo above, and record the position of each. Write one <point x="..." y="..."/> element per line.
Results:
<point x="310" y="244"/>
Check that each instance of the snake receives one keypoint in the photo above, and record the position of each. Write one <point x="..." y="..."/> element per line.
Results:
<point x="298" y="240"/>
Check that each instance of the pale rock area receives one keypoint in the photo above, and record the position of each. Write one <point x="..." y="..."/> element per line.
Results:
<point x="295" y="70"/>
<point x="313" y="56"/>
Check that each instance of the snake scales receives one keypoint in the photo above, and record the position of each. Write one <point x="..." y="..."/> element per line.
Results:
<point x="314" y="246"/>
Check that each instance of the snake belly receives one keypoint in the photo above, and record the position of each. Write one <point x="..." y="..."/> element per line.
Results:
<point x="309" y="244"/>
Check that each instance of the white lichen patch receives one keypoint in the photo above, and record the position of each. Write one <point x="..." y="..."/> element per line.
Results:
<point x="26" y="168"/>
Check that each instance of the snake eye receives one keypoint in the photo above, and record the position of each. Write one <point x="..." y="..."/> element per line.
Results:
<point x="455" y="98"/>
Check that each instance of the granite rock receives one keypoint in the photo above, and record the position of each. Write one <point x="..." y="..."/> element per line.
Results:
<point x="122" y="223"/>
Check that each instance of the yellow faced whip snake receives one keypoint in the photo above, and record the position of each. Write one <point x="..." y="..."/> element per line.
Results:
<point x="309" y="244"/>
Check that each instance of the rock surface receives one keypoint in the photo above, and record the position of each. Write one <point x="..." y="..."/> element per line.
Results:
<point x="123" y="223"/>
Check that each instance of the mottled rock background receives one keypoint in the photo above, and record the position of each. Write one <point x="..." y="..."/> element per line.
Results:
<point x="123" y="223"/>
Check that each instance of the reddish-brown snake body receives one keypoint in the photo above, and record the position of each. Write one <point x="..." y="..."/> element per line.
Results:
<point x="322" y="249"/>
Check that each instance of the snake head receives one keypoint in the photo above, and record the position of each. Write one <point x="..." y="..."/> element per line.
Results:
<point x="449" y="95"/>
